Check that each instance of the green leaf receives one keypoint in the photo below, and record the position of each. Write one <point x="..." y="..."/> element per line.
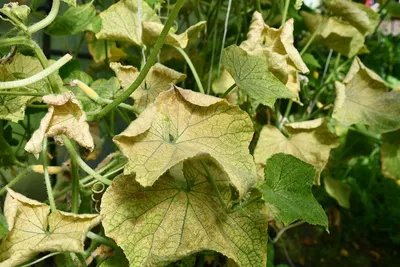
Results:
<point x="338" y="190"/>
<point x="363" y="97"/>
<point x="360" y="16"/>
<point x="335" y="34"/>
<point x="107" y="89"/>
<point x="287" y="191"/>
<point x="151" y="31"/>
<point x="311" y="61"/>
<point x="390" y="154"/>
<point x="13" y="107"/>
<point x="117" y="260"/>
<point x="75" y="20"/>
<point x="309" y="141"/>
<point x="158" y="79"/>
<point x="3" y="226"/>
<point x="99" y="48"/>
<point x="252" y="75"/>
<point x="182" y="124"/>
<point x="120" y="21"/>
<point x="70" y="2"/>
<point x="33" y="229"/>
<point x="158" y="225"/>
<point x="14" y="12"/>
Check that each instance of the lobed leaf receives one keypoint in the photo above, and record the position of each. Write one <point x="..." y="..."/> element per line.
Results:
<point x="252" y="75"/>
<point x="169" y="221"/>
<point x="120" y="21"/>
<point x="287" y="191"/>
<point x="363" y="97"/>
<point x="158" y="79"/>
<point x="309" y="141"/>
<point x="65" y="116"/>
<point x="182" y="124"/>
<point x="33" y="229"/>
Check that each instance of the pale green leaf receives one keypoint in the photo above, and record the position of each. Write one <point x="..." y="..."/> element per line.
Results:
<point x="252" y="75"/>
<point x="363" y="97"/>
<point x="360" y="16"/>
<point x="338" y="190"/>
<point x="13" y="107"/>
<point x="99" y="48"/>
<point x="287" y="191"/>
<point x="65" y="116"/>
<point x="14" y="12"/>
<point x="3" y="226"/>
<point x="309" y="141"/>
<point x="120" y="22"/>
<point x="335" y="34"/>
<point x="158" y="79"/>
<point x="70" y="2"/>
<point x="33" y="229"/>
<point x="298" y="4"/>
<point x="151" y="31"/>
<point x="169" y="221"/>
<point x="390" y="154"/>
<point x="181" y="124"/>
<point x="75" y="20"/>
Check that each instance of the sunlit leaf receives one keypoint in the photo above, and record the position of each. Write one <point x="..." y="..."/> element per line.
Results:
<point x="33" y="229"/>
<point x="13" y="107"/>
<point x="338" y="190"/>
<point x="363" y="97"/>
<point x="14" y="12"/>
<point x="120" y="21"/>
<point x="182" y="124"/>
<point x="277" y="47"/>
<point x="171" y="220"/>
<point x="158" y="79"/>
<point x="75" y="20"/>
<point x="359" y="15"/>
<point x="65" y="116"/>
<point x="99" y="48"/>
<point x="309" y="141"/>
<point x="390" y="154"/>
<point x="335" y="34"/>
<point x="151" y="31"/>
<point x="252" y="75"/>
<point x="287" y="191"/>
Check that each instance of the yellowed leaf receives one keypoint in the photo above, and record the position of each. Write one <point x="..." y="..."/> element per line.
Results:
<point x="309" y="141"/>
<point x="33" y="229"/>
<point x="65" y="116"/>
<point x="181" y="124"/>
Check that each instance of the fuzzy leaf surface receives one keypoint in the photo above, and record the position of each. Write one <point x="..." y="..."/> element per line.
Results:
<point x="65" y="116"/>
<point x="33" y="229"/>
<point x="390" y="154"/>
<point x="252" y="75"/>
<point x="309" y="141"/>
<point x="120" y="21"/>
<point x="169" y="221"/>
<point x="182" y="124"/>
<point x="287" y="191"/>
<point x="363" y="97"/>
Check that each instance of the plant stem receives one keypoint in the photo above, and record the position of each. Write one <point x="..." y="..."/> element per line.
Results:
<point x="41" y="259"/>
<point x="47" y="20"/>
<point x="309" y="42"/>
<point x="75" y="185"/>
<point x="258" y="6"/>
<point x="121" y="105"/>
<point x="280" y="233"/>
<point x="287" y="111"/>
<point x="47" y="177"/>
<point x="233" y="86"/>
<point x="15" y="179"/>
<point x="150" y="62"/>
<point x="285" y="11"/>
<point x="192" y="68"/>
<point x="228" y="11"/>
<point x="211" y="179"/>
<point x="38" y="76"/>
<point x="101" y="240"/>
<point x="14" y="41"/>
<point x="81" y="163"/>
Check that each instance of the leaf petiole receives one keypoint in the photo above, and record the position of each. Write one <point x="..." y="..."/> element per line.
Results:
<point x="212" y="181"/>
<point x="230" y="89"/>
